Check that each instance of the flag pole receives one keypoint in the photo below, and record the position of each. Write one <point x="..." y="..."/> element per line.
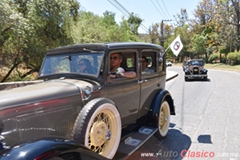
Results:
<point x="179" y="47"/>
<point x="165" y="50"/>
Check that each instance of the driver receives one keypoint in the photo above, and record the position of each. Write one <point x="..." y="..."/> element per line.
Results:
<point x="115" y="61"/>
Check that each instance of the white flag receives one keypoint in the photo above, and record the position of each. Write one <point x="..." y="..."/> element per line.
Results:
<point x="176" y="46"/>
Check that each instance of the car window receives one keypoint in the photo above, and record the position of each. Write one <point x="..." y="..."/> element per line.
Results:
<point x="122" y="61"/>
<point x="151" y="58"/>
<point x="129" y="61"/>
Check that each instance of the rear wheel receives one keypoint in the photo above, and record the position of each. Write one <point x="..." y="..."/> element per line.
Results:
<point x="163" y="119"/>
<point x="98" y="126"/>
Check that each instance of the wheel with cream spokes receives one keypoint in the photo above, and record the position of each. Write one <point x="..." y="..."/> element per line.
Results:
<point x="163" y="119"/>
<point x="98" y="127"/>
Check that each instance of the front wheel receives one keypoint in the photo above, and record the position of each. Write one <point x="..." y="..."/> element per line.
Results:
<point x="163" y="119"/>
<point x="98" y="127"/>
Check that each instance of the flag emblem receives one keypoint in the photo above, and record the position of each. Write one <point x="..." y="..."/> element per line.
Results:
<point x="176" y="46"/>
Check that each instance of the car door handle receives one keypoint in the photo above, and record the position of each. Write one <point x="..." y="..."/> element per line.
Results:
<point x="142" y="81"/>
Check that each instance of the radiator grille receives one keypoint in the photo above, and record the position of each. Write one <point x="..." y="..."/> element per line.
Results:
<point x="40" y="123"/>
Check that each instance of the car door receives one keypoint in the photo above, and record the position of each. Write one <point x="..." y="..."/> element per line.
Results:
<point x="124" y="92"/>
<point x="150" y="81"/>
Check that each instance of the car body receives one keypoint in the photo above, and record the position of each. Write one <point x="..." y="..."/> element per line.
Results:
<point x="89" y="108"/>
<point x="168" y="63"/>
<point x="195" y="70"/>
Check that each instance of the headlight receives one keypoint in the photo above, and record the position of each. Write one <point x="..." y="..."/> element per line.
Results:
<point x="88" y="92"/>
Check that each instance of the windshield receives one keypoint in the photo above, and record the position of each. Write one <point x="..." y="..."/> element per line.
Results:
<point x="201" y="63"/>
<point x="78" y="63"/>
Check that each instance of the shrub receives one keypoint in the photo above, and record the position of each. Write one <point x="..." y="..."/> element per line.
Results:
<point x="212" y="57"/>
<point x="233" y="58"/>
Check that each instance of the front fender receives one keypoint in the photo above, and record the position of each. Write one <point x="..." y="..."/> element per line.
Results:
<point x="205" y="70"/>
<point x="159" y="98"/>
<point x="187" y="71"/>
<point x="42" y="148"/>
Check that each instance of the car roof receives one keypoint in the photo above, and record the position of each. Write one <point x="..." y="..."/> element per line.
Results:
<point x="103" y="46"/>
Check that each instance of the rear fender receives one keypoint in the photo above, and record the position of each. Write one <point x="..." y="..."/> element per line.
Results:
<point x="159" y="98"/>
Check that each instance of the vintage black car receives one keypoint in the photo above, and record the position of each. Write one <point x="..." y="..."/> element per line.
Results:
<point x="194" y="69"/>
<point x="89" y="107"/>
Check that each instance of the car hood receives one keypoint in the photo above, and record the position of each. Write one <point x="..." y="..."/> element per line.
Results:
<point x="43" y="91"/>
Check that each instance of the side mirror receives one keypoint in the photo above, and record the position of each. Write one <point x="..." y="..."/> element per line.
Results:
<point x="161" y="54"/>
<point x="160" y="60"/>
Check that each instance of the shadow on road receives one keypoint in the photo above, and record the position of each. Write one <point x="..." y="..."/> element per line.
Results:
<point x="204" y="139"/>
<point x="198" y="80"/>
<point x="173" y="146"/>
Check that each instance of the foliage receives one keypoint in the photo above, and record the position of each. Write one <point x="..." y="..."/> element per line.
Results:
<point x="91" y="28"/>
<point x="234" y="58"/>
<point x="199" y="44"/>
<point x="182" y="18"/>
<point x="213" y="58"/>
<point x="29" y="29"/>
<point x="134" y="22"/>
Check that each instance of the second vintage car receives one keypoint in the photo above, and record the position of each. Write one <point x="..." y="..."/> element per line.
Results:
<point x="80" y="99"/>
<point x="194" y="69"/>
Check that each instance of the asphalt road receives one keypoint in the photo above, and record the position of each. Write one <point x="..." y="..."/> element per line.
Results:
<point x="207" y="124"/>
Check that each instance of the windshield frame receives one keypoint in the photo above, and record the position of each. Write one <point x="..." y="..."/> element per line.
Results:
<point x="70" y="63"/>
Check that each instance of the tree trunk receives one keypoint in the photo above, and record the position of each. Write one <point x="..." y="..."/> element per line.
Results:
<point x="238" y="36"/>
<point x="10" y="71"/>
<point x="29" y="72"/>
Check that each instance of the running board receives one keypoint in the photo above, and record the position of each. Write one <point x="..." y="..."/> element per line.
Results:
<point x="134" y="142"/>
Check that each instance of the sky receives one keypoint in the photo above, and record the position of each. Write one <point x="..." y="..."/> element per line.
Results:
<point x="151" y="11"/>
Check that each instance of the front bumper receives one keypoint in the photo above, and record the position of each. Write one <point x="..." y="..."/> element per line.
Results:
<point x="196" y="76"/>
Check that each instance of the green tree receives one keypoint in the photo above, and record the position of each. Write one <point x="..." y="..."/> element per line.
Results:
<point x="13" y="38"/>
<point x="198" y="46"/>
<point x="31" y="28"/>
<point x="134" y="21"/>
<point x="109" y="18"/>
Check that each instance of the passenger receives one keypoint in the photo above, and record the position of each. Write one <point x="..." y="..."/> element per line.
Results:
<point x="85" y="66"/>
<point x="115" y="62"/>
<point x="145" y="68"/>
